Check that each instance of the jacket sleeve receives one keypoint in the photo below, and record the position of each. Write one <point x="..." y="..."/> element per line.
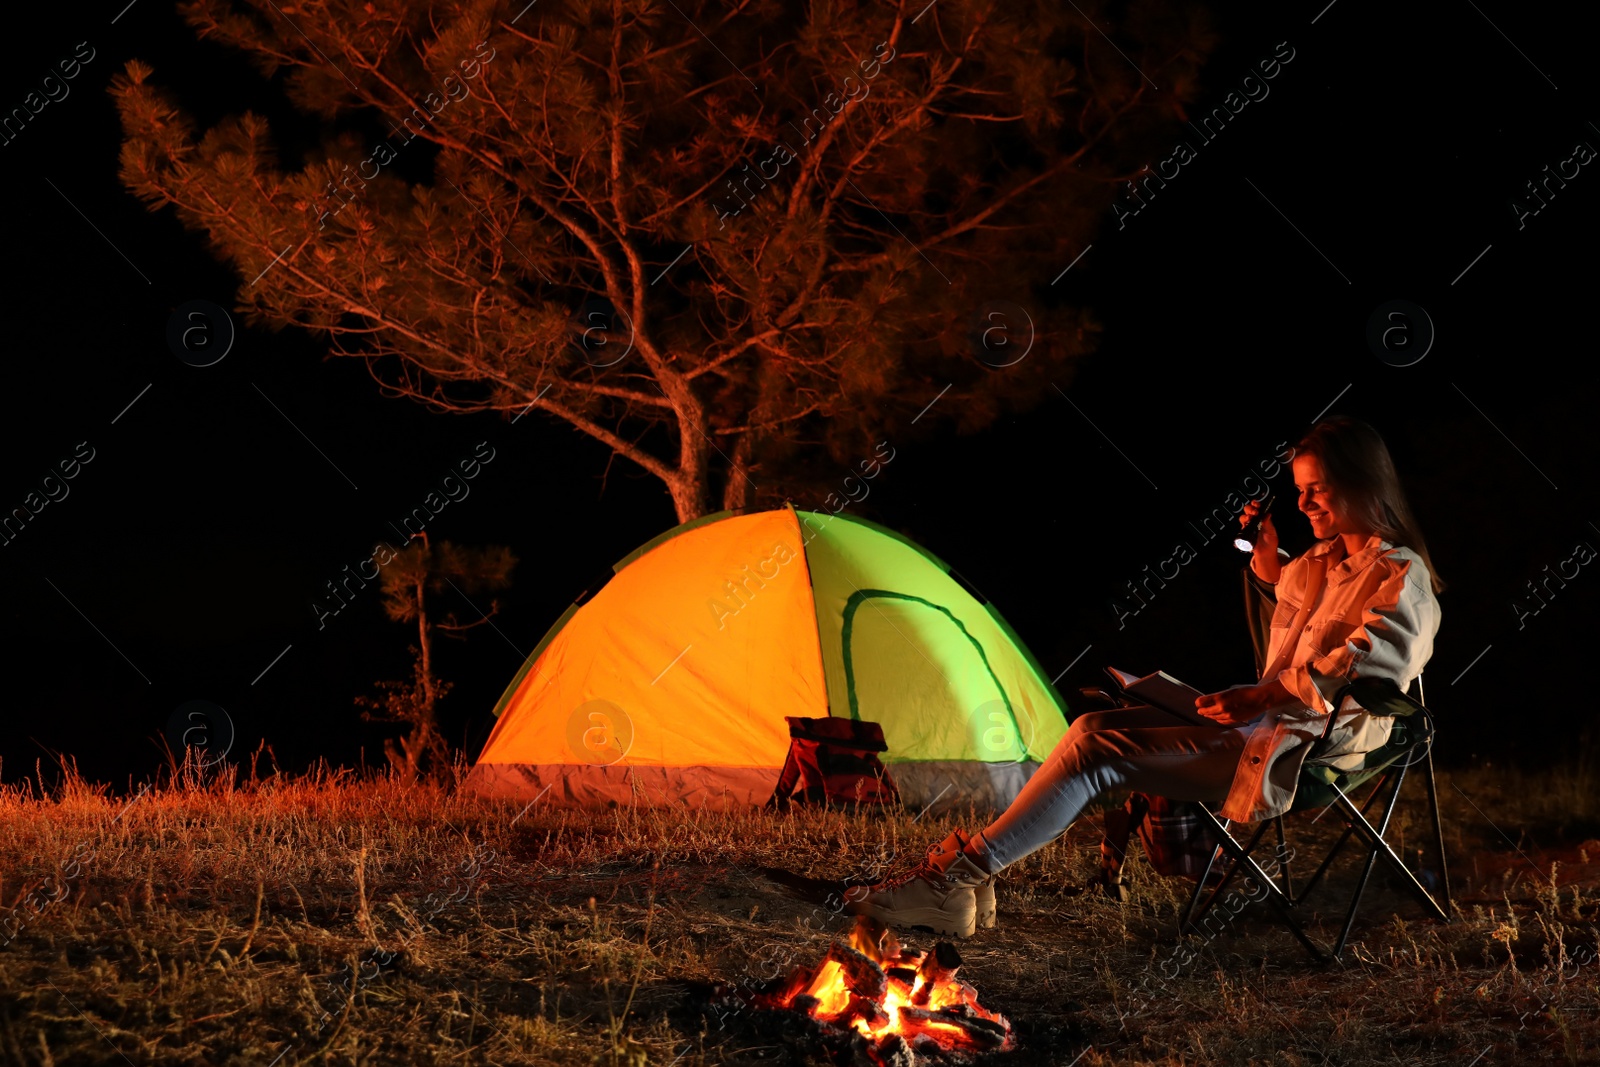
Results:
<point x="1260" y="602"/>
<point x="1394" y="640"/>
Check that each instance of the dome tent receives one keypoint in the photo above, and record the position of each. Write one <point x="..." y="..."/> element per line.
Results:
<point x="673" y="681"/>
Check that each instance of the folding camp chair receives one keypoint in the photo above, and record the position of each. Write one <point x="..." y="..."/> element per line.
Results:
<point x="1321" y="786"/>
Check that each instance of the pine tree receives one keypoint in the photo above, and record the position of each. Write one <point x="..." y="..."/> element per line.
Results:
<point x="723" y="239"/>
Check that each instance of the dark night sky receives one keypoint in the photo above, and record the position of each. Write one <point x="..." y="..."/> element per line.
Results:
<point x="1395" y="141"/>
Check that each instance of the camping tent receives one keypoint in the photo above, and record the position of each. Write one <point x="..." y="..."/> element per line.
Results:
<point x="672" y="682"/>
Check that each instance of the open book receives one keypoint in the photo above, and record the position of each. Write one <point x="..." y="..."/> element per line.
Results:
<point x="1162" y="690"/>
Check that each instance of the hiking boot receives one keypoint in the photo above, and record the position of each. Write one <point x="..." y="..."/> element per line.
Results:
<point x="983" y="904"/>
<point x="983" y="892"/>
<point x="939" y="893"/>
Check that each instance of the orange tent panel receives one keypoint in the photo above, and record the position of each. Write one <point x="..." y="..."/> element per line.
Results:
<point x="675" y="678"/>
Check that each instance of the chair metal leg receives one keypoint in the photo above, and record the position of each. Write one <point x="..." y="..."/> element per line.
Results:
<point x="1349" y="831"/>
<point x="1372" y="838"/>
<point x="1227" y="876"/>
<point x="1397" y="866"/>
<point x="1327" y="861"/>
<point x="1438" y="832"/>
<point x="1273" y="895"/>
<point x="1200" y="886"/>
<point x="1372" y="858"/>
<point x="1288" y="881"/>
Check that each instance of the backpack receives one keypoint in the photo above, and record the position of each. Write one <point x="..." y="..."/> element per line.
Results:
<point x="834" y="761"/>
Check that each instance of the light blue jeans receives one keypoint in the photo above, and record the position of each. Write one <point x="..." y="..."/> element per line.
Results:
<point x="1135" y="750"/>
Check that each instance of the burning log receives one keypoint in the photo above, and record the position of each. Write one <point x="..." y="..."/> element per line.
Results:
<point x="937" y="967"/>
<point x="894" y="1051"/>
<point x="793" y="986"/>
<point x="868" y="1011"/>
<point x="861" y="975"/>
<point x="952" y="1029"/>
<point x="906" y="976"/>
<point x="805" y="1003"/>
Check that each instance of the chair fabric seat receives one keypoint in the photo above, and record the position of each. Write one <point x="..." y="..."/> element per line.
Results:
<point x="1318" y="781"/>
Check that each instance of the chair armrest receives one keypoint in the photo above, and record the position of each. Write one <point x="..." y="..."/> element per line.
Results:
<point x="1379" y="696"/>
<point x="1102" y="697"/>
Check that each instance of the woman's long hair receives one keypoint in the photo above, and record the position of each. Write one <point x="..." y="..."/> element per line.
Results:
<point x="1361" y="474"/>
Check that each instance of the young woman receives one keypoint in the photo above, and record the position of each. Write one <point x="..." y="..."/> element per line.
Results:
<point x="1360" y="602"/>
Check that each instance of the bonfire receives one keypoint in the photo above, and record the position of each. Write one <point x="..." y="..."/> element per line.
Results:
<point x="908" y="1006"/>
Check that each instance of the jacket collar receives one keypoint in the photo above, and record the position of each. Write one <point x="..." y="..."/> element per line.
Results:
<point x="1340" y="567"/>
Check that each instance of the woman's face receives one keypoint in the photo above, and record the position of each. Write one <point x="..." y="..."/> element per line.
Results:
<point x="1317" y="500"/>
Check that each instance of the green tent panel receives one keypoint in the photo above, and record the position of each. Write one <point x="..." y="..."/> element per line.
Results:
<point x="905" y="645"/>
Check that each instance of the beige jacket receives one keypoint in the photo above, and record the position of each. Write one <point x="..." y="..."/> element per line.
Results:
<point x="1338" y="617"/>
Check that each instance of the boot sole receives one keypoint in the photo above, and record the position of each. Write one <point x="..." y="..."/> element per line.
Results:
<point x="934" y="919"/>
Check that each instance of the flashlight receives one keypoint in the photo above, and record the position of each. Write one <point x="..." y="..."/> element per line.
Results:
<point x="1246" y="541"/>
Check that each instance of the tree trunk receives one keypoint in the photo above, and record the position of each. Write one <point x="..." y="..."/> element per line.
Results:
<point x="689" y="493"/>
<point x="690" y="483"/>
<point x="736" y="490"/>
<point x="425" y="653"/>
<point x="424" y="642"/>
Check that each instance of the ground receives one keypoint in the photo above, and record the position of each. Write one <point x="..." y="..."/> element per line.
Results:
<point x="225" y="919"/>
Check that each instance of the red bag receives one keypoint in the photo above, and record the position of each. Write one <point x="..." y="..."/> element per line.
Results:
<point x="834" y="761"/>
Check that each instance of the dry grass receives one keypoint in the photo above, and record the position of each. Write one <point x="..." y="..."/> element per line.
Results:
<point x="342" y="921"/>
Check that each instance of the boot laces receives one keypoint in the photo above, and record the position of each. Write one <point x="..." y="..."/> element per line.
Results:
<point x="924" y="870"/>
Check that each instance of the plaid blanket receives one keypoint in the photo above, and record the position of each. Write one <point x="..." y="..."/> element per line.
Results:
<point x="1175" y="839"/>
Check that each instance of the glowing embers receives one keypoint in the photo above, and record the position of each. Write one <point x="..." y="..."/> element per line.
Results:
<point x="909" y="1006"/>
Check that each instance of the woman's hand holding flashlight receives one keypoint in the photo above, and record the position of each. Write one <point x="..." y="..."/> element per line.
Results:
<point x="1264" y="553"/>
